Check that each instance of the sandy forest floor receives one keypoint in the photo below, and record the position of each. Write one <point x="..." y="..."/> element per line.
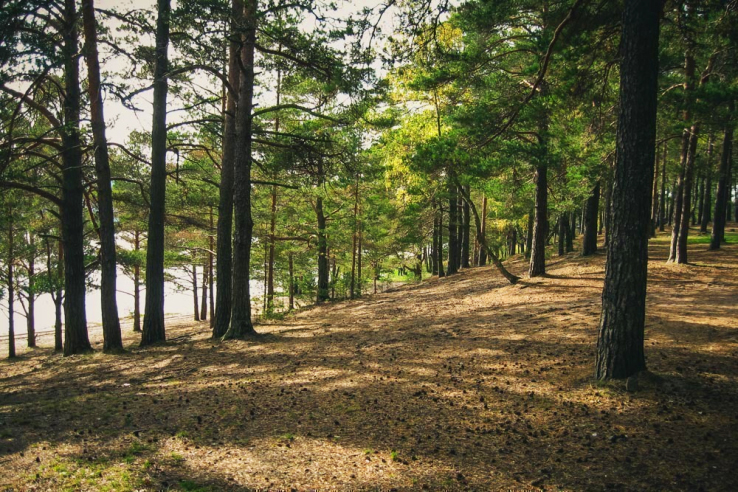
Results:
<point x="458" y="383"/>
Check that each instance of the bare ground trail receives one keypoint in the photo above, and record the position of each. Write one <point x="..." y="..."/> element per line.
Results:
<point x="458" y="383"/>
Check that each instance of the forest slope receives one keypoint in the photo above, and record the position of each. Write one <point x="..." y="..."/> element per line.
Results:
<point x="463" y="382"/>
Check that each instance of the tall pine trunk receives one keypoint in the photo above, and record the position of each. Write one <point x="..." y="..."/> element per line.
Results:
<point x="620" y="352"/>
<point x="204" y="298"/>
<point x="589" y="241"/>
<point x="453" y="243"/>
<point x="31" y="315"/>
<point x="721" y="195"/>
<point x="466" y="232"/>
<point x="540" y="224"/>
<point x="224" y="258"/>
<point x="112" y="340"/>
<point x="241" y="324"/>
<point x="153" y="325"/>
<point x="271" y="254"/>
<point x="681" y="248"/>
<point x="76" y="339"/>
<point x="662" y="200"/>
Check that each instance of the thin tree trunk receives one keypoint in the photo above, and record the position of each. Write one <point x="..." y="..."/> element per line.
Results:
<point x="513" y="279"/>
<point x="211" y="272"/>
<point x="204" y="298"/>
<point x="662" y="204"/>
<point x="153" y="324"/>
<point x="31" y="315"/>
<point x="563" y="228"/>
<point x="112" y="339"/>
<point x="58" y="300"/>
<point x="194" y="292"/>
<point x="529" y="233"/>
<point x="354" y="238"/>
<point x="441" y="273"/>
<point x="721" y="195"/>
<point x="136" y="284"/>
<point x="589" y="241"/>
<point x="224" y="257"/>
<point x="483" y="232"/>
<point x="466" y="231"/>
<point x="655" y="197"/>
<point x="540" y="224"/>
<point x="707" y="191"/>
<point x="453" y="244"/>
<point x="620" y="352"/>
<point x="323" y="292"/>
<point x="292" y="283"/>
<point x="76" y="339"/>
<point x="681" y="249"/>
<point x="434" y="248"/>
<point x="241" y="324"/>
<point x="11" y="287"/>
<point x="270" y="268"/>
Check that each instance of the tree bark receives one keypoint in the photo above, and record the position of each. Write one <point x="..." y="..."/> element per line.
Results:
<point x="211" y="272"/>
<point x="241" y="325"/>
<point x="721" y="195"/>
<point x="224" y="258"/>
<point x="76" y="339"/>
<point x="540" y="224"/>
<point x="483" y="232"/>
<point x="620" y="352"/>
<point x="589" y="241"/>
<point x="434" y="248"/>
<point x="355" y="239"/>
<point x="153" y="324"/>
<point x="112" y="339"/>
<point x="58" y="298"/>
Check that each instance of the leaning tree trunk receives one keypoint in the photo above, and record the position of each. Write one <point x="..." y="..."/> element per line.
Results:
<point x="721" y="196"/>
<point x="589" y="241"/>
<point x="513" y="279"/>
<point x="76" y="339"/>
<point x="241" y="324"/>
<point x="112" y="340"/>
<point x="153" y="325"/>
<point x="540" y="224"/>
<point x="224" y="258"/>
<point x="620" y="351"/>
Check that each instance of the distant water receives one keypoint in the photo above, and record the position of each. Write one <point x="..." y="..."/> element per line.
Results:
<point x="176" y="302"/>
